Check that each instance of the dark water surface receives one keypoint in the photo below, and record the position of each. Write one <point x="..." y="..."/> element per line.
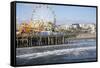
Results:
<point x="77" y="51"/>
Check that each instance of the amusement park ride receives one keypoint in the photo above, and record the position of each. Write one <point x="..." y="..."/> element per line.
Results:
<point x="38" y="23"/>
<point x="40" y="30"/>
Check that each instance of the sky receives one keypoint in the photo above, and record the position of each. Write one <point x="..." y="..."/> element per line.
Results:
<point x="63" y="14"/>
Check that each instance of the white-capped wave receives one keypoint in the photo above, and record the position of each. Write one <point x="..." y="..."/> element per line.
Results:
<point x="74" y="51"/>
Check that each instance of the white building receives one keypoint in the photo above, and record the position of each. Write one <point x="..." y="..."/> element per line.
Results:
<point x="89" y="27"/>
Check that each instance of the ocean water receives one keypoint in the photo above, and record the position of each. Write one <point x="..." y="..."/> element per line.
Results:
<point x="76" y="51"/>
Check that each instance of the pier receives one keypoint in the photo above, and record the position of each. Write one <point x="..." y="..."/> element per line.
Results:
<point x="39" y="40"/>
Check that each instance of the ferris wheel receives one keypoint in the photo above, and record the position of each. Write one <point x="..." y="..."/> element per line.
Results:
<point x="44" y="13"/>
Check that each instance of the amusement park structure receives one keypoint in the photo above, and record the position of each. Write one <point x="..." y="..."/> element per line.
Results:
<point x="39" y="24"/>
<point x="39" y="31"/>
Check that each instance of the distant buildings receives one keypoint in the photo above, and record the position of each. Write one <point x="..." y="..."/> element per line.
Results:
<point x="91" y="28"/>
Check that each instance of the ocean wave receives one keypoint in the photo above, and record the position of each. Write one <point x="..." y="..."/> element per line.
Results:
<point x="73" y="51"/>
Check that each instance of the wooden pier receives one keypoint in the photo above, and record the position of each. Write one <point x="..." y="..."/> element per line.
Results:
<point x="38" y="40"/>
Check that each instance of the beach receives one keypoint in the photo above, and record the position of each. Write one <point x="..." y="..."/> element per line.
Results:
<point x="86" y="35"/>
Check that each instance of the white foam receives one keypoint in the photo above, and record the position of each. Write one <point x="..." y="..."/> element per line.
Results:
<point x="75" y="51"/>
